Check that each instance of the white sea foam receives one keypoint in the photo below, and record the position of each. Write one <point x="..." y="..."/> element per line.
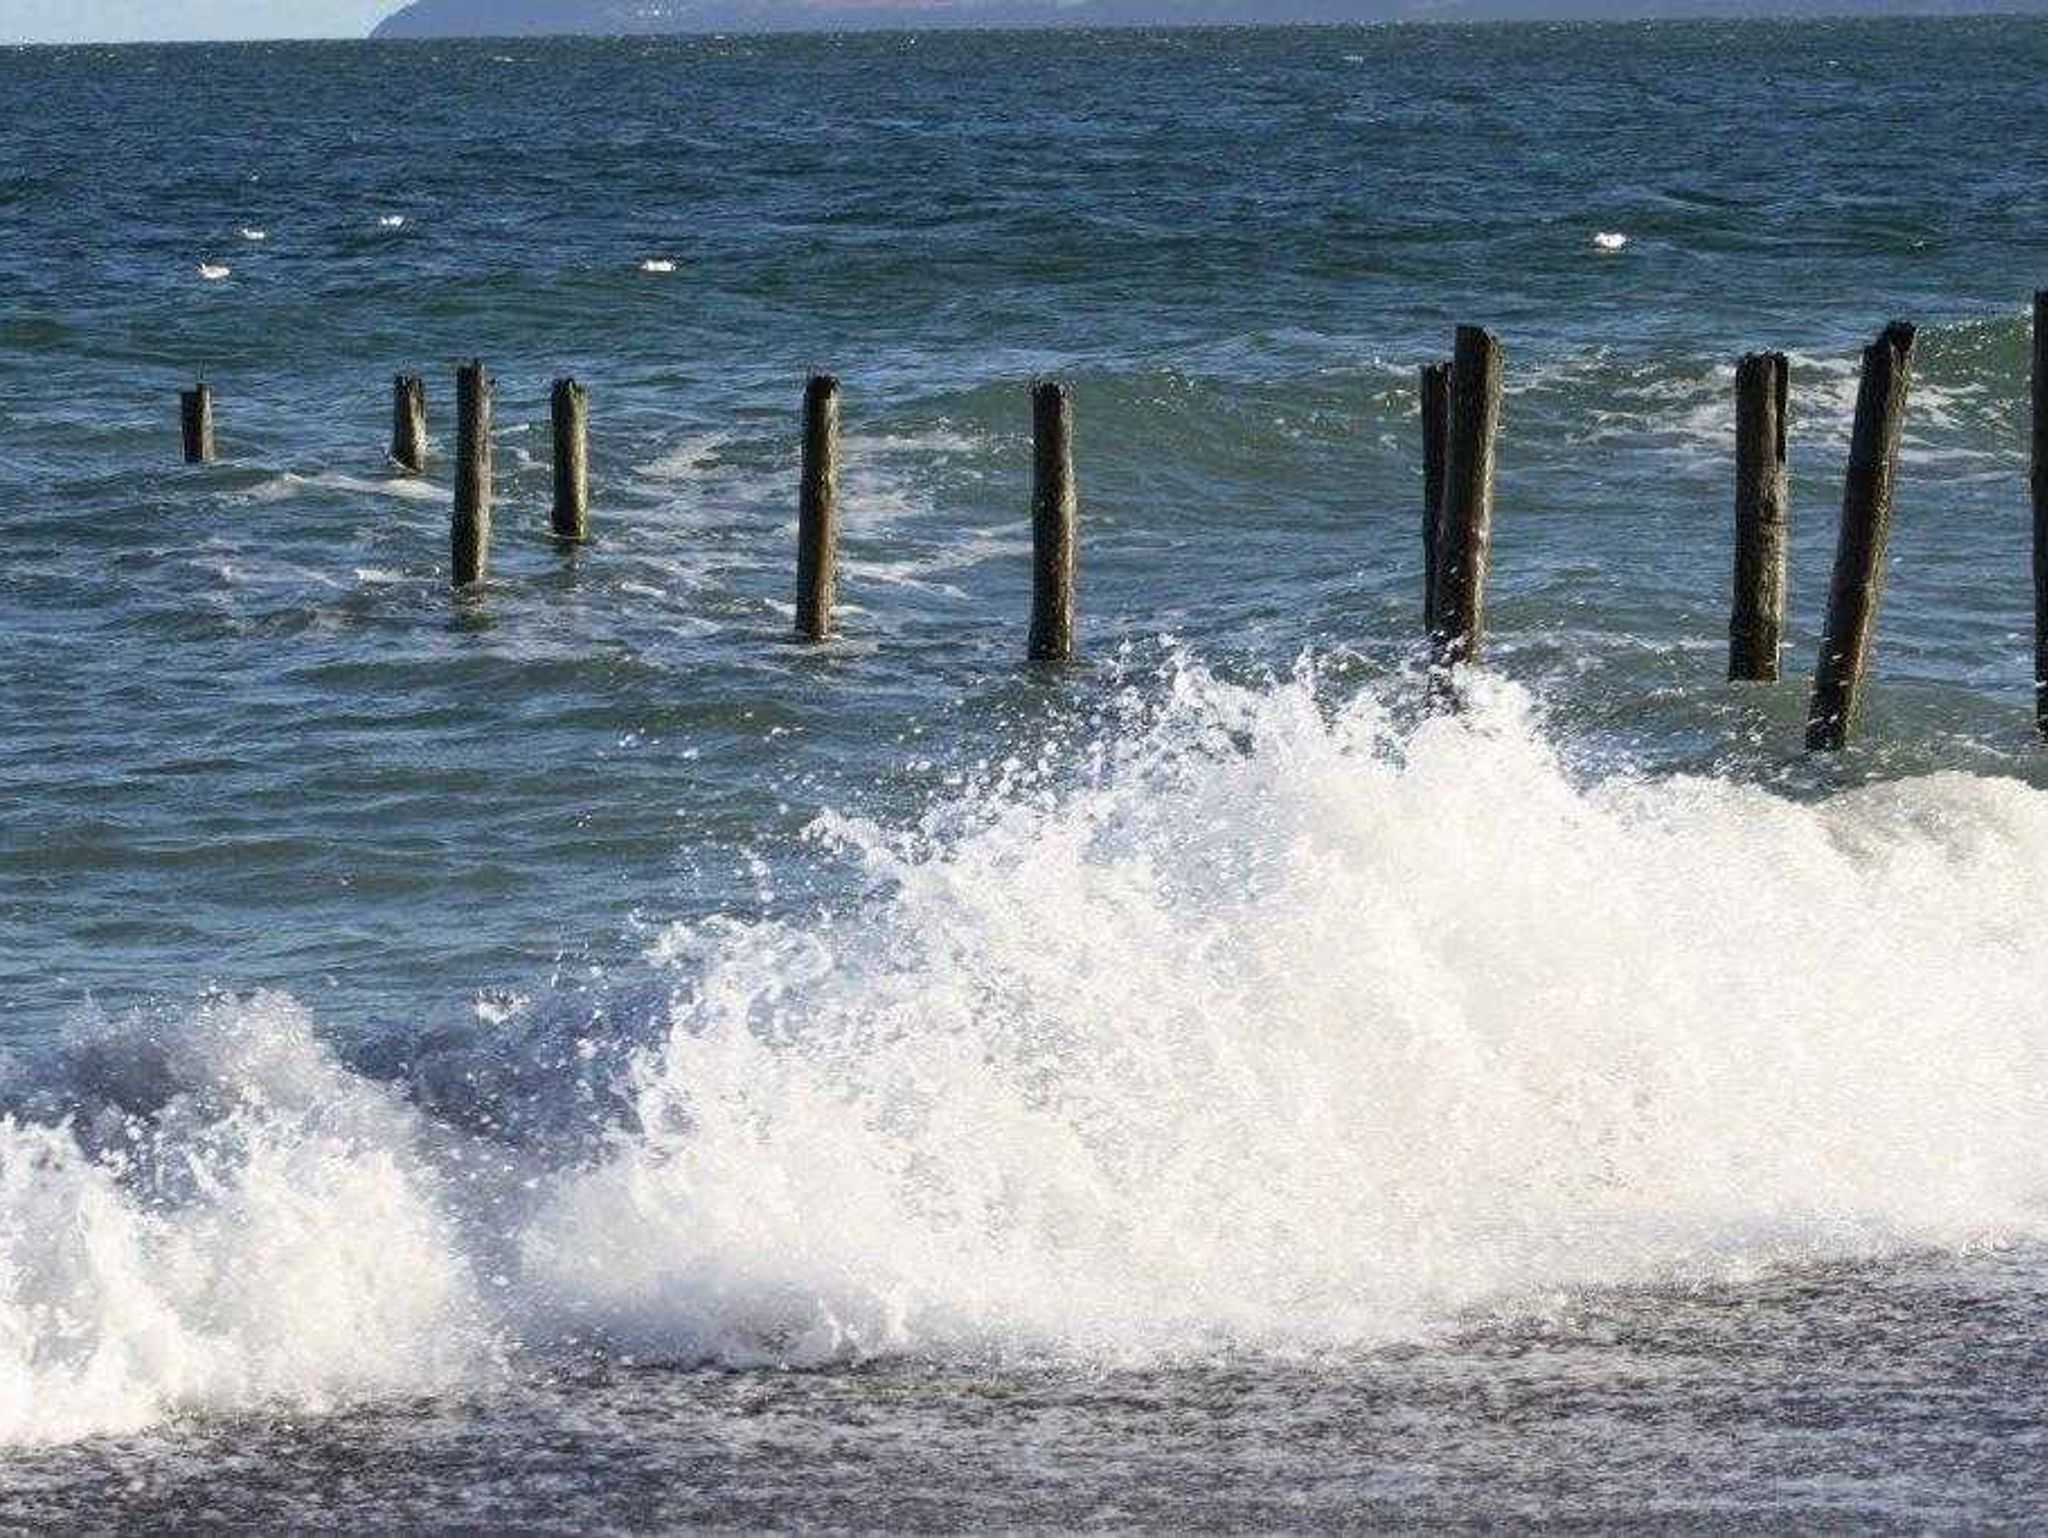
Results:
<point x="658" y="264"/>
<point x="1293" y="1034"/>
<point x="1272" y="1026"/>
<point x="288" y="484"/>
<point x="215" y="272"/>
<point x="272" y="1237"/>
<point x="1601" y="398"/>
<point x="690" y="460"/>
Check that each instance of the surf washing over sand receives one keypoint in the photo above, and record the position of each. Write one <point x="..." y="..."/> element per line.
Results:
<point x="1280" y="1026"/>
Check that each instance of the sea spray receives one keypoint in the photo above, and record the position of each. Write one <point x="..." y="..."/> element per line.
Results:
<point x="1296" y="1032"/>
<point x="263" y="1233"/>
<point x="1265" y="1023"/>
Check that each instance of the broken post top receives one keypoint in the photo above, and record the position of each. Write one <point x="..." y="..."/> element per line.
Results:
<point x="1052" y="427"/>
<point x="1052" y="421"/>
<point x="1880" y="397"/>
<point x="1469" y="337"/>
<point x="1772" y="371"/>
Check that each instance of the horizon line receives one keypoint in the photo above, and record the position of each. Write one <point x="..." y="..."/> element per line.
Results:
<point x="1826" y="11"/>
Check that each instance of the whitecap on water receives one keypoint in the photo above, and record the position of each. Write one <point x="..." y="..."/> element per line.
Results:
<point x="254" y="236"/>
<point x="657" y="264"/>
<point x="215" y="272"/>
<point x="1610" y="240"/>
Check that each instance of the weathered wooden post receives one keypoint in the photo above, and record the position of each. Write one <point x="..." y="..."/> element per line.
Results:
<point x="569" y="406"/>
<point x="1055" y="514"/>
<point x="1436" y="419"/>
<point x="1858" y="580"/>
<point x="409" y="423"/>
<point x="817" y="531"/>
<point x="1756" y="625"/>
<point x="471" y="529"/>
<point x="195" y="413"/>
<point x="2040" y="489"/>
<point x="1465" y="529"/>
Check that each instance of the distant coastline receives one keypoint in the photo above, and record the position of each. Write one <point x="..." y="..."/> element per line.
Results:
<point x="640" y="18"/>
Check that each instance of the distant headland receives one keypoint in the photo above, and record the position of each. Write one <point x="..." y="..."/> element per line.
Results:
<point x="618" y="18"/>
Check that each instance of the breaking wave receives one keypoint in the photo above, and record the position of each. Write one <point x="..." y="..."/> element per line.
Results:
<point x="1279" y="1025"/>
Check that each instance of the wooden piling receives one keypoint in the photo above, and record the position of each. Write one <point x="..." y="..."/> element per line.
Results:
<point x="195" y="412"/>
<point x="1858" y="580"/>
<point x="817" y="537"/>
<point x="2039" y="478"/>
<point x="569" y="407"/>
<point x="409" y="423"/>
<point x="1465" y="528"/>
<point x="1756" y="626"/>
<point x="471" y="528"/>
<point x="1436" y="419"/>
<point x="1055" y="515"/>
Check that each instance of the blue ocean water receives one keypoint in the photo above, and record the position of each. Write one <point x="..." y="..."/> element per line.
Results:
<point x="437" y="1029"/>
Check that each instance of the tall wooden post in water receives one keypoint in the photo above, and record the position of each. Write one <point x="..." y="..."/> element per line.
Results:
<point x="195" y="418"/>
<point x="1465" y="527"/>
<point x="1858" y="581"/>
<point x="1055" y="516"/>
<point x="817" y="524"/>
<point x="569" y="408"/>
<point x="409" y="423"/>
<point x="2039" y="478"/>
<point x="1436" y="422"/>
<point x="1756" y="626"/>
<point x="471" y="527"/>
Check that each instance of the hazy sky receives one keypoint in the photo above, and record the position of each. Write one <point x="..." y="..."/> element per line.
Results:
<point x="89" y="21"/>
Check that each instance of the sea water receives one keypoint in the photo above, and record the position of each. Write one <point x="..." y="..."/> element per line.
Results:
<point x="564" y="1056"/>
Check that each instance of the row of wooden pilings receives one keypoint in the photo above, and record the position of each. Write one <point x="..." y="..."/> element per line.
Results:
<point x="1461" y="417"/>
<point x="1055" y="502"/>
<point x="1460" y="411"/>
